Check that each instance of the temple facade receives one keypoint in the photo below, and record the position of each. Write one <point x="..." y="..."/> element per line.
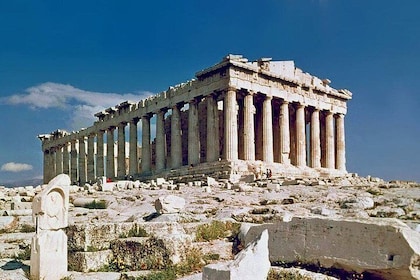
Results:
<point x="236" y="117"/>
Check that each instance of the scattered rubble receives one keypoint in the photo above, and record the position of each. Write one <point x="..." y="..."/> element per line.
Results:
<point x="111" y="224"/>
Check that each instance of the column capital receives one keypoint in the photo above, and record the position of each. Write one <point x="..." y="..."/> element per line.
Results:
<point x="300" y="105"/>
<point x="231" y="88"/>
<point x="339" y="115"/>
<point x="268" y="97"/>
<point x="147" y="115"/>
<point x="162" y="110"/>
<point x="134" y="120"/>
<point x="122" y="124"/>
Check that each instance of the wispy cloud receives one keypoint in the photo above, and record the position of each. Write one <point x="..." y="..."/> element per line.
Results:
<point x="81" y="103"/>
<point x="15" y="167"/>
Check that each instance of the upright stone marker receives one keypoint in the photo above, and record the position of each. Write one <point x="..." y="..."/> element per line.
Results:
<point x="49" y="245"/>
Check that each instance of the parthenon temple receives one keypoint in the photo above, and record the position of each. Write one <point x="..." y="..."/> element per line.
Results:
<point x="236" y="117"/>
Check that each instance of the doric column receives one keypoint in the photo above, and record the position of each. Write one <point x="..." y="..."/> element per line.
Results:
<point x="315" y="140"/>
<point x="160" y="140"/>
<point x="134" y="157"/>
<point x="267" y="130"/>
<point x="100" y="154"/>
<point x="146" y="153"/>
<point x="58" y="160"/>
<point x="212" y="143"/>
<point x="110" y="157"/>
<point x="231" y="125"/>
<point x="284" y="133"/>
<point x="82" y="161"/>
<point x="91" y="158"/>
<point x="341" y="144"/>
<point x="121" y="166"/>
<point x="329" y="139"/>
<point x="176" y="141"/>
<point x="73" y="162"/>
<point x="52" y="163"/>
<point x="248" y="131"/>
<point x="300" y="136"/>
<point x="193" y="134"/>
<point x="46" y="167"/>
<point x="66" y="159"/>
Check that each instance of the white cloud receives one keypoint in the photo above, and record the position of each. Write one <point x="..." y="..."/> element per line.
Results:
<point x="81" y="104"/>
<point x="15" y="167"/>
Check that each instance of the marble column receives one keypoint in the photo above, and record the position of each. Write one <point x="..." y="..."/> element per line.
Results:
<point x="134" y="157"/>
<point x="91" y="158"/>
<point x="176" y="140"/>
<point x="59" y="160"/>
<point x="213" y="146"/>
<point x="73" y="162"/>
<point x="284" y="133"/>
<point x="329" y="141"/>
<point x="315" y="140"/>
<point x="248" y="131"/>
<point x="121" y="165"/>
<point x="340" y="144"/>
<point x="110" y="156"/>
<point x="160" y="140"/>
<point x="82" y="161"/>
<point x="66" y="159"/>
<point x="46" y="167"/>
<point x="52" y="163"/>
<point x="300" y="136"/>
<point x="100" y="154"/>
<point x="193" y="134"/>
<point x="267" y="130"/>
<point x="146" y="153"/>
<point x="230" y="125"/>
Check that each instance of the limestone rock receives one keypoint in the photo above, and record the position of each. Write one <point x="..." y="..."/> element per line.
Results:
<point x="384" y="247"/>
<point x="89" y="261"/>
<point x="169" y="204"/>
<point x="252" y="263"/>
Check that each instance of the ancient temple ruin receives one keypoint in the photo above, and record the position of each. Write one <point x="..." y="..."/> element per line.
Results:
<point x="236" y="117"/>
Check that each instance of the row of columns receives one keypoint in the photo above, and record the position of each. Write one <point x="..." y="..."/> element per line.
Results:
<point x="326" y="146"/>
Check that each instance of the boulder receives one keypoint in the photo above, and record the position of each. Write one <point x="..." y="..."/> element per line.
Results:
<point x="169" y="204"/>
<point x="252" y="263"/>
<point x="386" y="248"/>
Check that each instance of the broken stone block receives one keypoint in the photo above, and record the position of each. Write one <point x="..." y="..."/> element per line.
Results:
<point x="169" y="204"/>
<point x="273" y="187"/>
<point x="89" y="261"/>
<point x="244" y="188"/>
<point x="252" y="263"/>
<point x="160" y="181"/>
<point x="386" y="248"/>
<point x="211" y="182"/>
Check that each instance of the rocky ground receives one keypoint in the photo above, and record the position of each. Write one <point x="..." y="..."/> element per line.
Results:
<point x="184" y="215"/>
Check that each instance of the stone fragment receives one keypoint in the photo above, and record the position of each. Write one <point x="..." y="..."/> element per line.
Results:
<point x="49" y="245"/>
<point x="211" y="182"/>
<point x="169" y="204"/>
<point x="7" y="222"/>
<point x="160" y="181"/>
<point x="273" y="187"/>
<point x="244" y="188"/>
<point x="385" y="248"/>
<point x="252" y="263"/>
<point x="89" y="261"/>
<point x="290" y="182"/>
<point x="21" y="205"/>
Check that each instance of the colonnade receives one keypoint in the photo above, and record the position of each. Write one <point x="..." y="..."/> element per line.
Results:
<point x="251" y="126"/>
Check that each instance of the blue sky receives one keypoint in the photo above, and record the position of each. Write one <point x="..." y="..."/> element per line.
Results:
<point x="62" y="61"/>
